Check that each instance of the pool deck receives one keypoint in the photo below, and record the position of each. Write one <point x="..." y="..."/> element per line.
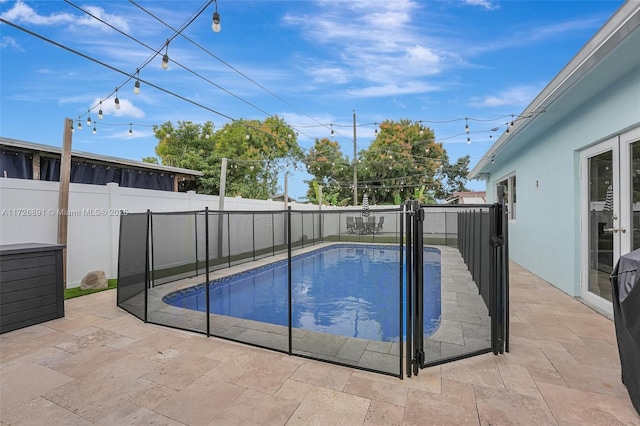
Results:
<point x="100" y="365"/>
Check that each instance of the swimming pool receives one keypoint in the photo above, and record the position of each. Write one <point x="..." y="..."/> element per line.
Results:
<point x="344" y="289"/>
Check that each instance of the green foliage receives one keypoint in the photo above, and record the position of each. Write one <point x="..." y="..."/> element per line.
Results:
<point x="403" y="162"/>
<point x="454" y="177"/>
<point x="256" y="151"/>
<point x="70" y="293"/>
<point x="151" y="160"/>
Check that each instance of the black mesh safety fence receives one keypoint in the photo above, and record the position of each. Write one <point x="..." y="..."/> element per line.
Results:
<point x="325" y="284"/>
<point x="464" y="238"/>
<point x="132" y="263"/>
<point x="347" y="287"/>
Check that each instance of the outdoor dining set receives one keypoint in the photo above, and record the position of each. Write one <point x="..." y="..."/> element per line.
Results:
<point x="364" y="225"/>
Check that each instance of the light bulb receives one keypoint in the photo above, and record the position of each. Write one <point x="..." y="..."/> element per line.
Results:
<point x="215" y="25"/>
<point x="206" y="136"/>
<point x="421" y="132"/>
<point x="72" y="129"/>
<point x="468" y="141"/>
<point x="89" y="120"/>
<point x="100" y="112"/>
<point x="136" y="87"/>
<point x="116" y="101"/>
<point x="247" y="136"/>
<point x="466" y="128"/>
<point x="94" y="129"/>
<point x="130" y="129"/>
<point x="79" y="125"/>
<point x="165" y="61"/>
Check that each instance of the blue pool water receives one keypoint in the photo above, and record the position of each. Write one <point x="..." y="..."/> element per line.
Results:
<point x="348" y="290"/>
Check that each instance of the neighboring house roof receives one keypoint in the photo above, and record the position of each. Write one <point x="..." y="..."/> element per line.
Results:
<point x="280" y="197"/>
<point x="79" y="155"/>
<point x="612" y="53"/>
<point x="471" y="197"/>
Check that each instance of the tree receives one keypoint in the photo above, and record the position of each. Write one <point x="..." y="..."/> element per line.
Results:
<point x="327" y="164"/>
<point x="402" y="157"/>
<point x="403" y="162"/>
<point x="454" y="177"/>
<point x="256" y="152"/>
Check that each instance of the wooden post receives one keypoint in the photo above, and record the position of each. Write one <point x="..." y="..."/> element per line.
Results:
<point x="63" y="193"/>
<point x="35" y="165"/>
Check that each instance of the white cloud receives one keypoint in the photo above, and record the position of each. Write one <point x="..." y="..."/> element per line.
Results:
<point x="383" y="47"/>
<point x="22" y="13"/>
<point x="127" y="108"/>
<point x="409" y="87"/>
<point x="482" y="3"/>
<point x="10" y="42"/>
<point x="516" y="96"/>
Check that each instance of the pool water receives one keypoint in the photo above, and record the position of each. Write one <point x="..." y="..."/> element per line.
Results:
<point x="347" y="290"/>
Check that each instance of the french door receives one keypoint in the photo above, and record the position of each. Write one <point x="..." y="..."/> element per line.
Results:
<point x="611" y="212"/>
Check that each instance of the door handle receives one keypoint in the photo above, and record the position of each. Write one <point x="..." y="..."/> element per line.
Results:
<point x="614" y="230"/>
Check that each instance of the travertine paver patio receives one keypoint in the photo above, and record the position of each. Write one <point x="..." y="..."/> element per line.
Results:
<point x="100" y="365"/>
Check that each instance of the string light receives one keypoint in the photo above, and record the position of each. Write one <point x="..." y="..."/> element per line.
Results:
<point x="136" y="85"/>
<point x="94" y="128"/>
<point x="100" y="111"/>
<point x="466" y="125"/>
<point x="79" y="124"/>
<point x="116" y="101"/>
<point x="130" y="129"/>
<point x="215" y="25"/>
<point x="165" y="57"/>
<point x="89" y="118"/>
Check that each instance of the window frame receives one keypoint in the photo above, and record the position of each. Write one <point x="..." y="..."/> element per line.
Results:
<point x="510" y="202"/>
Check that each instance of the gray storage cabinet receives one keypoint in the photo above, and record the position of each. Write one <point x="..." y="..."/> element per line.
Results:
<point x="31" y="284"/>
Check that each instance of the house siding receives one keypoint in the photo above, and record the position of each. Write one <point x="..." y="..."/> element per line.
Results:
<point x="545" y="238"/>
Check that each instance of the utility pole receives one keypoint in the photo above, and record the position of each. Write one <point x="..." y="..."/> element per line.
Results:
<point x="355" y="163"/>
<point x="223" y="183"/>
<point x="220" y="216"/>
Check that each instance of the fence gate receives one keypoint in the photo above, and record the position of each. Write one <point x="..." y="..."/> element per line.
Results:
<point x="473" y="280"/>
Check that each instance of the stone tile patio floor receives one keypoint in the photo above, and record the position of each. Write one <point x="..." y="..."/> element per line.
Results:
<point x="100" y="365"/>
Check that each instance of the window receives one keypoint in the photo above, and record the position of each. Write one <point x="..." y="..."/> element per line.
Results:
<point x="509" y="200"/>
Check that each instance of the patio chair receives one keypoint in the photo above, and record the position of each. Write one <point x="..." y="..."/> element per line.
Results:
<point x="371" y="224"/>
<point x="359" y="225"/>
<point x="351" y="225"/>
<point x="378" y="228"/>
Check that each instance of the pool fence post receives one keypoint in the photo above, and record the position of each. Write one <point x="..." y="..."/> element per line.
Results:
<point x="419" y="287"/>
<point x="147" y="280"/>
<point x="289" y="279"/>
<point x="400" y="293"/>
<point x="206" y="265"/>
<point x="409" y="288"/>
<point x="195" y="227"/>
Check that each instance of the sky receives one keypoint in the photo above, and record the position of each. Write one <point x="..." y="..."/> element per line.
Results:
<point x="314" y="63"/>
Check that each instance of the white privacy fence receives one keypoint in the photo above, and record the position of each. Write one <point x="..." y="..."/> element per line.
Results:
<point x="29" y="213"/>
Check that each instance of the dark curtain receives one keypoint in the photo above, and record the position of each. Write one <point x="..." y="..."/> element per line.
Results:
<point x="16" y="165"/>
<point x="94" y="174"/>
<point x="146" y="180"/>
<point x="49" y="169"/>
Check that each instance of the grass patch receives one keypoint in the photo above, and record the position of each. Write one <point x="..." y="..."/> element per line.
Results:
<point x="70" y="293"/>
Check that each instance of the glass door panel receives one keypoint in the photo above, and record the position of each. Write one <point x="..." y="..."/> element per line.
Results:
<point x="634" y="181"/>
<point x="603" y="234"/>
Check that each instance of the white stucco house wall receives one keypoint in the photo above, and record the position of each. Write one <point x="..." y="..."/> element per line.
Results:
<point x="571" y="164"/>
